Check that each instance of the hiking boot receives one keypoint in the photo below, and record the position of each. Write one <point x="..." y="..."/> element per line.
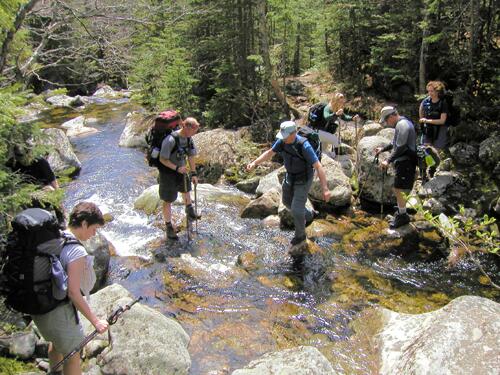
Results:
<point x="171" y="234"/>
<point x="399" y="220"/>
<point x="191" y="214"/>
<point x="297" y="240"/>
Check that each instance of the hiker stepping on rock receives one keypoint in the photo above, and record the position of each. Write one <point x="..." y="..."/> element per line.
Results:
<point x="404" y="158"/>
<point x="178" y="150"/>
<point x="300" y="162"/>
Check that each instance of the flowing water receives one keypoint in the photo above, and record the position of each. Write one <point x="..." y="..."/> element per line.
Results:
<point x="234" y="288"/>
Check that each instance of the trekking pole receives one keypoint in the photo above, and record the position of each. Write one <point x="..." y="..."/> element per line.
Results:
<point x="382" y="194"/>
<point x="188" y="221"/>
<point x="111" y="320"/>
<point x="196" y="208"/>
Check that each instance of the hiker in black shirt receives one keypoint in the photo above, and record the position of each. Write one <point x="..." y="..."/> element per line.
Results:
<point x="34" y="171"/>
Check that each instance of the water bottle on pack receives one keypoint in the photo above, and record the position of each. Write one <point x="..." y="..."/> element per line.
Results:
<point x="429" y="160"/>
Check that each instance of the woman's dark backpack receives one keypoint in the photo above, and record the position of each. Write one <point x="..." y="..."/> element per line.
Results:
<point x="316" y="119"/>
<point x="166" y="122"/>
<point x="32" y="279"/>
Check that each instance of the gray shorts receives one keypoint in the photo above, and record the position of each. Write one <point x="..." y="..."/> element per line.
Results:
<point x="171" y="183"/>
<point x="60" y="328"/>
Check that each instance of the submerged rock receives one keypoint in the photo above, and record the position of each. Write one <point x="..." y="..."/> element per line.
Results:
<point x="143" y="340"/>
<point x="460" y="338"/>
<point x="304" y="360"/>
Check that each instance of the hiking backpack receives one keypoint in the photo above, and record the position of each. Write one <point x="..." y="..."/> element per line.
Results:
<point x="313" y="138"/>
<point x="32" y="279"/>
<point x="166" y="122"/>
<point x="316" y="119"/>
<point x="453" y="118"/>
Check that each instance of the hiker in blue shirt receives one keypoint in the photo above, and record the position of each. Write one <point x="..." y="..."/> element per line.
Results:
<point x="300" y="162"/>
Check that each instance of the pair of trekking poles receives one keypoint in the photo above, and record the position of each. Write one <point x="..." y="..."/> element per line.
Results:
<point x="112" y="319"/>
<point x="188" y="220"/>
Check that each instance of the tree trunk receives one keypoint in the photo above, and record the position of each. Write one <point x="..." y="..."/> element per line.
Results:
<point x="296" y="56"/>
<point x="424" y="46"/>
<point x="474" y="38"/>
<point x="20" y="16"/>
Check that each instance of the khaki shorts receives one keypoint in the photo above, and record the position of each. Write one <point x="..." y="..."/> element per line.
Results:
<point x="60" y="328"/>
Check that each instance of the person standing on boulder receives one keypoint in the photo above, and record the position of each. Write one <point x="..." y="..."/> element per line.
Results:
<point x="300" y="163"/>
<point x="404" y="157"/>
<point x="178" y="150"/>
<point x="61" y="327"/>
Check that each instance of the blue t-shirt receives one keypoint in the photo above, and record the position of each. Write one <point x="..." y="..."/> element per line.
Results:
<point x="299" y="158"/>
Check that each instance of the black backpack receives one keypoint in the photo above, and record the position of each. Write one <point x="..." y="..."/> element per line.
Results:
<point x="32" y="279"/>
<point x="316" y="119"/>
<point x="166" y="122"/>
<point x="453" y="118"/>
<point x="313" y="138"/>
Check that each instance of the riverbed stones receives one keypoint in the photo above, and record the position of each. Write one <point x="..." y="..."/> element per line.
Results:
<point x="338" y="184"/>
<point x="265" y="205"/>
<point x="143" y="340"/>
<point x="374" y="183"/>
<point x="62" y="156"/>
<point x="76" y="127"/>
<point x="136" y="128"/>
<point x="461" y="338"/>
<point x="303" y="360"/>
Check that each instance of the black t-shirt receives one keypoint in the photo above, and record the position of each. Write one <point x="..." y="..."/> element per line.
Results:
<point x="433" y="110"/>
<point x="38" y="172"/>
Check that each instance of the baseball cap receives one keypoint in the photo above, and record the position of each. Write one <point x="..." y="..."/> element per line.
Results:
<point x="286" y="128"/>
<point x="386" y="112"/>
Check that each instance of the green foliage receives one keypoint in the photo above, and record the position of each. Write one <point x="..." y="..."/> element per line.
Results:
<point x="466" y="234"/>
<point x="10" y="366"/>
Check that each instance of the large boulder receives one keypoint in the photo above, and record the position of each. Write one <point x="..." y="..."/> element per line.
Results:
<point x="464" y="154"/>
<point x="143" y="340"/>
<point x="136" y="128"/>
<point x="98" y="247"/>
<point x="271" y="181"/>
<point x="375" y="184"/>
<point x="461" y="338"/>
<point x="371" y="128"/>
<point x="76" y="127"/>
<point x="20" y="345"/>
<point x="107" y="92"/>
<point x="62" y="156"/>
<point x="218" y="147"/>
<point x="338" y="184"/>
<point x="489" y="150"/>
<point x="303" y="360"/>
<point x="64" y="101"/>
<point x="265" y="205"/>
<point x="285" y="215"/>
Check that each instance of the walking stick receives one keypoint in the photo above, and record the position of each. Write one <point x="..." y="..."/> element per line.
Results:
<point x="111" y="320"/>
<point x="188" y="220"/>
<point x="196" y="208"/>
<point x="382" y="195"/>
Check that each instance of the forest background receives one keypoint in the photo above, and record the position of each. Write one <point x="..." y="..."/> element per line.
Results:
<point x="225" y="61"/>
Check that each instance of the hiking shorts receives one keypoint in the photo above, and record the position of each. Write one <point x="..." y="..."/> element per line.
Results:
<point x="59" y="326"/>
<point x="172" y="183"/>
<point x="405" y="174"/>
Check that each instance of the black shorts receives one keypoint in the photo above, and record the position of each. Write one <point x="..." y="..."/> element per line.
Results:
<point x="171" y="183"/>
<point x="405" y="174"/>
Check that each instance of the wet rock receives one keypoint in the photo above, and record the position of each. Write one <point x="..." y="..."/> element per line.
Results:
<point x="272" y="221"/>
<point x="371" y="128"/>
<point x="107" y="92"/>
<point x="271" y="181"/>
<point x="62" y="156"/>
<point x="76" y="127"/>
<point x="489" y="150"/>
<point x="303" y="360"/>
<point x="247" y="261"/>
<point x="265" y="205"/>
<point x="460" y="338"/>
<point x="248" y="186"/>
<point x="21" y="345"/>
<point x="325" y="228"/>
<point x="464" y="154"/>
<point x="136" y="128"/>
<point x="305" y="248"/>
<point x="285" y="214"/>
<point x="64" y="101"/>
<point x="98" y="246"/>
<point x="374" y="183"/>
<point x="149" y="201"/>
<point x="338" y="184"/>
<point x="144" y="340"/>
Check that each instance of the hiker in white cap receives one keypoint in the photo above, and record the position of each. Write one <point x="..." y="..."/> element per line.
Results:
<point x="300" y="162"/>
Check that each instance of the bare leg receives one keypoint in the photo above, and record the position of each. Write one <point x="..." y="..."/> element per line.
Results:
<point x="73" y="366"/>
<point x="167" y="211"/>
<point x="400" y="198"/>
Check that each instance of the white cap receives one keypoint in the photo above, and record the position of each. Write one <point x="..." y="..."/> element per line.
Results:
<point x="286" y="128"/>
<point x="386" y="112"/>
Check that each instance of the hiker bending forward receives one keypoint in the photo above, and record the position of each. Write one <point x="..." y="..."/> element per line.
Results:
<point x="61" y="327"/>
<point x="404" y="157"/>
<point x="176" y="148"/>
<point x="300" y="163"/>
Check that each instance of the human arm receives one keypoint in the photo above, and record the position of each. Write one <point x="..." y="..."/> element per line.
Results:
<point x="443" y="111"/>
<point x="400" y="146"/>
<point x="262" y="158"/>
<point x="75" y="270"/>
<point x="439" y="121"/>
<point x="379" y="150"/>
<point x="322" y="180"/>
